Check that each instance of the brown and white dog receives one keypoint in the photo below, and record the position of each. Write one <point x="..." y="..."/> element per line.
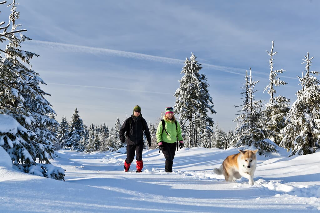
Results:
<point x="239" y="165"/>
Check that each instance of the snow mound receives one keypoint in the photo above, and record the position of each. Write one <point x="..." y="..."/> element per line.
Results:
<point x="10" y="125"/>
<point x="5" y="160"/>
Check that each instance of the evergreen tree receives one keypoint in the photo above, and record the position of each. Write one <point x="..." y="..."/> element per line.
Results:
<point x="76" y="131"/>
<point x="113" y="141"/>
<point x="250" y="131"/>
<point x="90" y="146"/>
<point x="277" y="108"/>
<point x="153" y="131"/>
<point x="117" y="126"/>
<point x="103" y="137"/>
<point x="206" y="138"/>
<point x="222" y="139"/>
<point x="228" y="138"/>
<point x="301" y="135"/>
<point x="193" y="102"/>
<point x="63" y="132"/>
<point x="22" y="98"/>
<point x="36" y="106"/>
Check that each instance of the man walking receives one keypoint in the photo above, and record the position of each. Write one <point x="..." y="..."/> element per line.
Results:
<point x="132" y="132"/>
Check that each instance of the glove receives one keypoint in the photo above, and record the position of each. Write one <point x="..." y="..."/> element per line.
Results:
<point x="160" y="144"/>
<point x="181" y="144"/>
<point x="149" y="143"/>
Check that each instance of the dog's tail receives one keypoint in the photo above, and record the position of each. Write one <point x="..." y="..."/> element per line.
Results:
<point x="218" y="171"/>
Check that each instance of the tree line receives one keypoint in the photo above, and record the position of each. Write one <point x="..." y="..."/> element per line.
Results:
<point x="261" y="126"/>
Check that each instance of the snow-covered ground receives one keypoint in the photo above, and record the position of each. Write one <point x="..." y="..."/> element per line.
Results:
<point x="96" y="183"/>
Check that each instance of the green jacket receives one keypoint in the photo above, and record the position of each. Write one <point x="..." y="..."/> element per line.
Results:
<point x="170" y="127"/>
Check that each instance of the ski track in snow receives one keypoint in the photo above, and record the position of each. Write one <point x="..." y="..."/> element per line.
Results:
<point x="95" y="182"/>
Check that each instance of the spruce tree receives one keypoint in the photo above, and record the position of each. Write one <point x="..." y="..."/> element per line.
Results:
<point x="153" y="131"/>
<point x="250" y="131"/>
<point x="24" y="100"/>
<point x="90" y="146"/>
<point x="113" y="140"/>
<point x="223" y="140"/>
<point x="63" y="132"/>
<point x="117" y="142"/>
<point x="277" y="108"/>
<point x="301" y="135"/>
<point x="193" y="102"/>
<point x="103" y="137"/>
<point x="76" y="131"/>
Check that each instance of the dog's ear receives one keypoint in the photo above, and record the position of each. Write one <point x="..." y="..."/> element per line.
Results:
<point x="242" y="151"/>
<point x="255" y="151"/>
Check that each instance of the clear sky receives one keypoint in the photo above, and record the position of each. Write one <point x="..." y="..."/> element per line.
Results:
<point x="104" y="57"/>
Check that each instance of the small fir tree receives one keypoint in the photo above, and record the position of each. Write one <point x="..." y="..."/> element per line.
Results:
<point x="153" y="131"/>
<point x="301" y="135"/>
<point x="103" y="137"/>
<point x="193" y="102"/>
<point x="250" y="131"/>
<point x="276" y="109"/>
<point x="63" y="132"/>
<point x="76" y="131"/>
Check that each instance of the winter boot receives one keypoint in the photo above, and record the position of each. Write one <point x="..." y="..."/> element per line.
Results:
<point x="139" y="166"/>
<point x="126" y="166"/>
<point x="168" y="166"/>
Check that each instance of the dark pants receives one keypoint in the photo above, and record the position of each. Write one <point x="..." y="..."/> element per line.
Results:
<point x="169" y="150"/>
<point x="131" y="149"/>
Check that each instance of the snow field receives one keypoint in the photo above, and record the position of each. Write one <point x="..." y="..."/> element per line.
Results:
<point x="96" y="182"/>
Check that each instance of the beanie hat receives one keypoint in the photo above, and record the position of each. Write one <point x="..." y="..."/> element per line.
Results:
<point x="169" y="110"/>
<point x="137" y="108"/>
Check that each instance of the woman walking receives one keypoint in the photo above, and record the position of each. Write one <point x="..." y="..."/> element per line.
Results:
<point x="168" y="135"/>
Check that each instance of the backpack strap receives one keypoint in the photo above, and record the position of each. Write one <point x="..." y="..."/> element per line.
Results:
<point x="164" y="126"/>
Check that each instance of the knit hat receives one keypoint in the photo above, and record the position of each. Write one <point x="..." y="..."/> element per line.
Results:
<point x="137" y="108"/>
<point x="169" y="110"/>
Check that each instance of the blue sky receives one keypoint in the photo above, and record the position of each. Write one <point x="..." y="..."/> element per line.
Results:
<point x="104" y="57"/>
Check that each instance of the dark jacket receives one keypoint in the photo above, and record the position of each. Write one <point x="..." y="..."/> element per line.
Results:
<point x="132" y="130"/>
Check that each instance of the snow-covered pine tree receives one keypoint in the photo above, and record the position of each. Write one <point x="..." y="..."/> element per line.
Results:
<point x="193" y="101"/>
<point x="276" y="109"/>
<point x="113" y="141"/>
<point x="103" y="137"/>
<point x="97" y="142"/>
<point x="117" y="127"/>
<point x="249" y="130"/>
<point x="84" y="138"/>
<point x="221" y="139"/>
<point x="206" y="138"/>
<point x="228" y="138"/>
<point x="23" y="99"/>
<point x="11" y="100"/>
<point x="76" y="131"/>
<point x="302" y="133"/>
<point x="53" y="130"/>
<point x="153" y="131"/>
<point x="90" y="146"/>
<point x="63" y="132"/>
